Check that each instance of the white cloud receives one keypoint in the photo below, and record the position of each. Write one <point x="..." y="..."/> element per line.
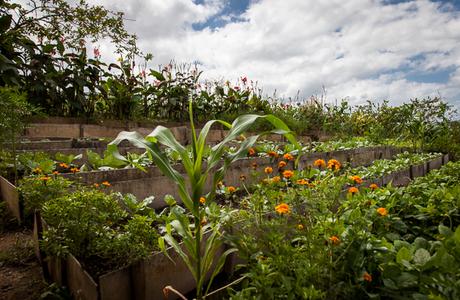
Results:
<point x="358" y="49"/>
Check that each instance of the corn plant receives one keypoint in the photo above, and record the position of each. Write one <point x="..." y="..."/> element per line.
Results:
<point x="201" y="241"/>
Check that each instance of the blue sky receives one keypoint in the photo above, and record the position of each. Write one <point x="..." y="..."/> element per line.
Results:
<point x="356" y="49"/>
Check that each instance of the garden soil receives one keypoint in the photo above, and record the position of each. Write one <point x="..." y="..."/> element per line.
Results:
<point x="20" y="272"/>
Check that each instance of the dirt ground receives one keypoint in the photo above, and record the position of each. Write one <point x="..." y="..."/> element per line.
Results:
<point x="20" y="271"/>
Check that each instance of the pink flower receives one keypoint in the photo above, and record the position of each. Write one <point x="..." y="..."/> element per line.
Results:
<point x="244" y="80"/>
<point x="142" y="73"/>
<point x="236" y="88"/>
<point x="96" y="52"/>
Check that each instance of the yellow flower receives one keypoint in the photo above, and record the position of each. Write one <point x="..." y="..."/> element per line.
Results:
<point x="367" y="277"/>
<point x="45" y="178"/>
<point x="356" y="179"/>
<point x="382" y="211"/>
<point x="300" y="226"/>
<point x="334" y="240"/>
<point x="353" y="190"/>
<point x="282" y="164"/>
<point x="320" y="163"/>
<point x="106" y="183"/>
<point x="254" y="166"/>
<point x="288" y="174"/>
<point x="276" y="179"/>
<point x="55" y="172"/>
<point x="302" y="181"/>
<point x="64" y="165"/>
<point x="288" y="156"/>
<point x="231" y="189"/>
<point x="268" y="170"/>
<point x="282" y="208"/>
<point x="202" y="200"/>
<point x="334" y="164"/>
<point x="37" y="170"/>
<point x="373" y="186"/>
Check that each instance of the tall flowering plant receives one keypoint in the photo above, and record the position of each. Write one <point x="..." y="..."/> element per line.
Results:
<point x="199" y="259"/>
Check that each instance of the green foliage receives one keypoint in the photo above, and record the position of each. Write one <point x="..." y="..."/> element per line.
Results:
<point x="192" y="232"/>
<point x="92" y="226"/>
<point x="35" y="191"/>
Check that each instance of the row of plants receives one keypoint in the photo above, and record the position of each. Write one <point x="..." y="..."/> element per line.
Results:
<point x="301" y="238"/>
<point x="107" y="232"/>
<point x="28" y="163"/>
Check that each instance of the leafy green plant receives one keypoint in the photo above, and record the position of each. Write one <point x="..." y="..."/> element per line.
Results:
<point x="35" y="191"/>
<point x="192" y="233"/>
<point x="14" y="115"/>
<point x="93" y="226"/>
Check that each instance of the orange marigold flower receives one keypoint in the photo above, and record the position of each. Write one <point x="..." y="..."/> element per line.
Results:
<point x="300" y="226"/>
<point x="288" y="174"/>
<point x="334" y="164"/>
<point x="202" y="200"/>
<point x="282" y="208"/>
<point x="276" y="179"/>
<point x="320" y="163"/>
<point x="254" y="165"/>
<point x="272" y="154"/>
<point x="373" y="186"/>
<point x="334" y="240"/>
<point x="64" y="165"/>
<point x="268" y="170"/>
<point x="231" y="189"/>
<point x="74" y="170"/>
<point x="242" y="177"/>
<point x="96" y="185"/>
<point x="251" y="151"/>
<point x="353" y="190"/>
<point x="106" y="183"/>
<point x="45" y="178"/>
<point x="302" y="181"/>
<point x="288" y="156"/>
<point x="282" y="164"/>
<point x="367" y="277"/>
<point x="37" y="170"/>
<point x="55" y="172"/>
<point x="382" y="211"/>
<point x="356" y="179"/>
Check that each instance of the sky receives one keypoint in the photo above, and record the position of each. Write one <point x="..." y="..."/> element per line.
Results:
<point x="356" y="49"/>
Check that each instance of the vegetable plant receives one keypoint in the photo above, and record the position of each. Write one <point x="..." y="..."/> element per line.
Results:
<point x="199" y="173"/>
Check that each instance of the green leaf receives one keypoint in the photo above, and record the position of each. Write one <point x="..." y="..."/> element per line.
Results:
<point x="403" y="254"/>
<point x="444" y="230"/>
<point x="421" y="257"/>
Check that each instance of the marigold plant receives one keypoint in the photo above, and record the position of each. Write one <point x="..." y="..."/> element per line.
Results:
<point x="282" y="164"/>
<point x="334" y="164"/>
<point x="282" y="208"/>
<point x="268" y="170"/>
<point x="373" y="186"/>
<point x="334" y="240"/>
<point x="356" y="179"/>
<point x="320" y="163"/>
<point x="288" y="156"/>
<point x="288" y="174"/>
<point x="353" y="190"/>
<point x="382" y="211"/>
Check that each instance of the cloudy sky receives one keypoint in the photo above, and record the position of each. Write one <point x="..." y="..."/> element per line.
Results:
<point x="355" y="49"/>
